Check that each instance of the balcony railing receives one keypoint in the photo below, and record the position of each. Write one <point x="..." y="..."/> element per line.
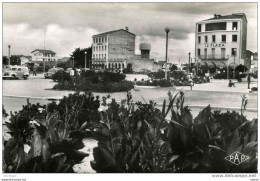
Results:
<point x="213" y="57"/>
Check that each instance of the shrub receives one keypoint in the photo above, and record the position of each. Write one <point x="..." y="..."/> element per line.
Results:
<point x="61" y="76"/>
<point x="93" y="81"/>
<point x="144" y="141"/>
<point x="133" y="137"/>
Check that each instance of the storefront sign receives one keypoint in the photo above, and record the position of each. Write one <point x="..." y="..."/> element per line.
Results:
<point x="214" y="45"/>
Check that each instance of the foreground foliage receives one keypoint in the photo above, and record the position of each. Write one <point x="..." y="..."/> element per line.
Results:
<point x="132" y="137"/>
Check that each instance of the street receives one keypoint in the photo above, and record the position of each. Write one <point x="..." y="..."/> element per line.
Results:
<point x="15" y="93"/>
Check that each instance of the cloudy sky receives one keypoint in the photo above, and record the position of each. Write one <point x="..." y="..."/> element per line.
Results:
<point x="71" y="25"/>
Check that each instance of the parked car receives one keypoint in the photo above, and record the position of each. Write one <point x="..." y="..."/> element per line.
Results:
<point x="51" y="72"/>
<point x="16" y="72"/>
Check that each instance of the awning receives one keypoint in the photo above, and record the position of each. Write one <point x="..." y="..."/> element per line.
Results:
<point x="221" y="65"/>
<point x="232" y="65"/>
<point x="212" y="65"/>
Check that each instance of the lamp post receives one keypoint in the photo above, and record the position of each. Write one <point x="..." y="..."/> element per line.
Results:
<point x="234" y="75"/>
<point x="9" y="54"/>
<point x="189" y="63"/>
<point x="85" y="60"/>
<point x="73" y="62"/>
<point x="167" y="30"/>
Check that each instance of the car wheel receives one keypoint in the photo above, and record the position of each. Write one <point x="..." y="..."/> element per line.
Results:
<point x="25" y="77"/>
<point x="13" y="77"/>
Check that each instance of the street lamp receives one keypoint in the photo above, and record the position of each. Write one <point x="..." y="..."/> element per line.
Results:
<point x="189" y="62"/>
<point x="85" y="60"/>
<point x="9" y="54"/>
<point x="167" y="30"/>
<point x="235" y="52"/>
<point x="73" y="62"/>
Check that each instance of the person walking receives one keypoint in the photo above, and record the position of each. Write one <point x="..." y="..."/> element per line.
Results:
<point x="248" y="81"/>
<point x="35" y="71"/>
<point x="191" y="82"/>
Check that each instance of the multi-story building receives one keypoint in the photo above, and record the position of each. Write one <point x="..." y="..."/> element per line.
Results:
<point x="112" y="49"/>
<point x="221" y="42"/>
<point x="40" y="55"/>
<point x="116" y="50"/>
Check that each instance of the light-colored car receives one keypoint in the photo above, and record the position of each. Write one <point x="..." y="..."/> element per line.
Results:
<point x="51" y="72"/>
<point x="16" y="72"/>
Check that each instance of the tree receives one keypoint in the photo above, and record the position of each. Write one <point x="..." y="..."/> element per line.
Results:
<point x="15" y="60"/>
<point x="5" y="60"/>
<point x="79" y="57"/>
<point x="173" y="67"/>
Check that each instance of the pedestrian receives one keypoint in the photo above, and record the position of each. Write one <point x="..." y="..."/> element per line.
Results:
<point x="231" y="84"/>
<point x="35" y="71"/>
<point x="72" y="72"/>
<point x="191" y="82"/>
<point x="248" y="81"/>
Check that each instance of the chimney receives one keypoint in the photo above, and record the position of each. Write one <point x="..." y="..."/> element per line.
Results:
<point x="126" y="28"/>
<point x="215" y="15"/>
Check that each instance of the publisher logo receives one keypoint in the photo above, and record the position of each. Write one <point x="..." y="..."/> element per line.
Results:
<point x="236" y="158"/>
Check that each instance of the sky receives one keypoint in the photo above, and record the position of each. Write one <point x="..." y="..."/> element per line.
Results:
<point x="71" y="25"/>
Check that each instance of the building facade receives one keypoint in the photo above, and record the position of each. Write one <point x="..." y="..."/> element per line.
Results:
<point x="115" y="50"/>
<point x="112" y="49"/>
<point x="220" y="42"/>
<point x="46" y="55"/>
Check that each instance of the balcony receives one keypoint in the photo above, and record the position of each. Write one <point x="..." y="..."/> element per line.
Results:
<point x="213" y="57"/>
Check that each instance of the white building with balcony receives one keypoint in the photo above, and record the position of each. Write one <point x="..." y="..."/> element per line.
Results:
<point x="220" y="42"/>
<point x="46" y="55"/>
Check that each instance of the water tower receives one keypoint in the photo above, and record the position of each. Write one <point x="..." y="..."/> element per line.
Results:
<point x="145" y="50"/>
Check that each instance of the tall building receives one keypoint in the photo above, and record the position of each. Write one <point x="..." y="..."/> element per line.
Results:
<point x="116" y="50"/>
<point x="221" y="42"/>
<point x="111" y="49"/>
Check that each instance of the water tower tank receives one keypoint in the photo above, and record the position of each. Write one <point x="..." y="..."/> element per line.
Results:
<point x="145" y="50"/>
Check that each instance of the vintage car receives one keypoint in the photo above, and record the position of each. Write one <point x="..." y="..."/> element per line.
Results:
<point x="16" y="72"/>
<point x="51" y="72"/>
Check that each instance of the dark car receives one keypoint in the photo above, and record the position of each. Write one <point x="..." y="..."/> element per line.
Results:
<point x="51" y="72"/>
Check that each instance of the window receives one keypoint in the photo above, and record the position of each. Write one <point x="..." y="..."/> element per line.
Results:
<point x="234" y="38"/>
<point x="105" y="48"/>
<point x="223" y="52"/>
<point x="223" y="38"/>
<point x="198" y="52"/>
<point x="213" y="38"/>
<point x="233" y="51"/>
<point x="105" y="39"/>
<point x="234" y="26"/>
<point x="19" y="69"/>
<point x="199" y="39"/>
<point x="213" y="52"/>
<point x="216" y="26"/>
<point x="199" y="27"/>
<point x="205" y="53"/>
<point x="206" y="39"/>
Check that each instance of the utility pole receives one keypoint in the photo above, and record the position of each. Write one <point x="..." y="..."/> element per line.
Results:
<point x="189" y="61"/>
<point x="43" y="51"/>
<point x="167" y="30"/>
<point x="85" y="60"/>
<point x="234" y="75"/>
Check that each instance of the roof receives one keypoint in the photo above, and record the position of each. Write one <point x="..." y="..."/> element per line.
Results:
<point x="44" y="51"/>
<point x="232" y="16"/>
<point x="109" y="32"/>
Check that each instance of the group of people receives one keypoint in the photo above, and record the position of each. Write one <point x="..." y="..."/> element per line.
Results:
<point x="232" y="84"/>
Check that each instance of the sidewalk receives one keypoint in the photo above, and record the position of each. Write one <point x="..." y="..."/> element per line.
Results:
<point x="220" y="86"/>
<point x="38" y="76"/>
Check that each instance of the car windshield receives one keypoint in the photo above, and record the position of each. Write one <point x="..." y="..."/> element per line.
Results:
<point x="14" y="69"/>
